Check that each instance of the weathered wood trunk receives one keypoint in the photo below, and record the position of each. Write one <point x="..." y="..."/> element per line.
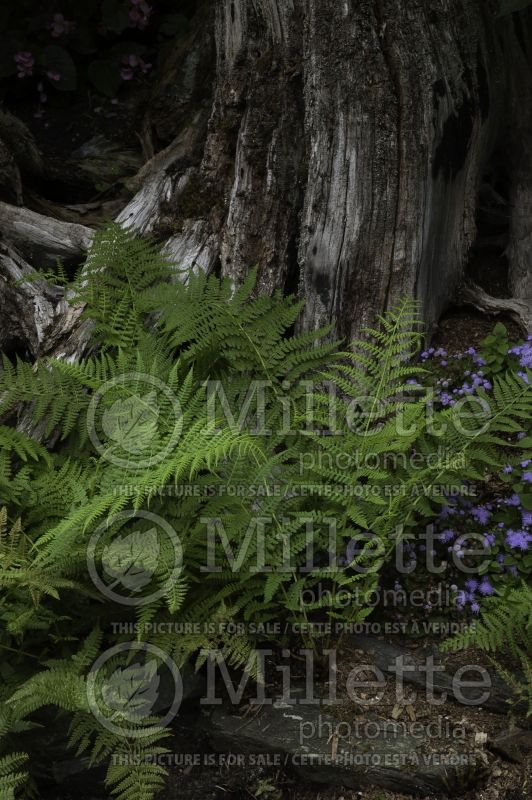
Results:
<point x="340" y="145"/>
<point x="345" y="148"/>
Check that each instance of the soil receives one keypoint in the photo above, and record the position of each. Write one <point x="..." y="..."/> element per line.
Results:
<point x="220" y="781"/>
<point x="460" y="328"/>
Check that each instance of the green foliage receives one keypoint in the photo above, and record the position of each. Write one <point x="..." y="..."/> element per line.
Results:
<point x="505" y="633"/>
<point x="197" y="407"/>
<point x="495" y="349"/>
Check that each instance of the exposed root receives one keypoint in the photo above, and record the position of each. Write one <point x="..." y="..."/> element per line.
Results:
<point x="519" y="310"/>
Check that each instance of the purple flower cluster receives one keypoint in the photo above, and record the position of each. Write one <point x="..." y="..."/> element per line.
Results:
<point x="139" y="14"/>
<point x="518" y="540"/>
<point x="505" y="543"/>
<point x="472" y="379"/>
<point x="468" y="596"/>
<point x="524" y="353"/>
<point x="59" y="26"/>
<point x="132" y="66"/>
<point x="25" y="62"/>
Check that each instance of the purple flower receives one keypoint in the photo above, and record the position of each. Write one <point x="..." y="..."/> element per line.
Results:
<point x="131" y="64"/>
<point x="447" y="535"/>
<point x="513" y="500"/>
<point x="25" y="63"/>
<point x="481" y="514"/>
<point x="527" y="476"/>
<point x="508" y="470"/>
<point x="447" y="511"/>
<point x="521" y="435"/>
<point x="460" y="599"/>
<point x="59" y="26"/>
<point x="518" y="540"/>
<point x="527" y="518"/>
<point x="524" y="352"/>
<point x="475" y="608"/>
<point x="486" y="588"/>
<point x="471" y="585"/>
<point x="139" y="15"/>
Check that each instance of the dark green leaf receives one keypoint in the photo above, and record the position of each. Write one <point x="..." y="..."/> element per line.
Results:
<point x="57" y="59"/>
<point x="114" y="16"/>
<point x="105" y="76"/>
<point x="173" y="25"/>
<point x="4" y="16"/>
<point x="526" y="500"/>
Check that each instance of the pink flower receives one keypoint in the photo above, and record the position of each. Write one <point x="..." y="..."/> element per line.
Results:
<point x="53" y="76"/>
<point x="139" y="15"/>
<point x="131" y="64"/>
<point x="25" y="63"/>
<point x="59" y="26"/>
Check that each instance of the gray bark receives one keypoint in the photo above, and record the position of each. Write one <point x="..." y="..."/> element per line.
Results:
<point x="346" y="148"/>
<point x="36" y="316"/>
<point x="340" y="146"/>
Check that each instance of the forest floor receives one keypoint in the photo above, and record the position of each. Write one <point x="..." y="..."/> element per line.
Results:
<point x="217" y="778"/>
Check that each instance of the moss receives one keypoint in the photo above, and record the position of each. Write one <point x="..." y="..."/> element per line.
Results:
<point x="197" y="201"/>
<point x="194" y="203"/>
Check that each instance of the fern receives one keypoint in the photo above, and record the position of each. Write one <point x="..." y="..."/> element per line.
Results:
<point x="505" y="628"/>
<point x="81" y="489"/>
